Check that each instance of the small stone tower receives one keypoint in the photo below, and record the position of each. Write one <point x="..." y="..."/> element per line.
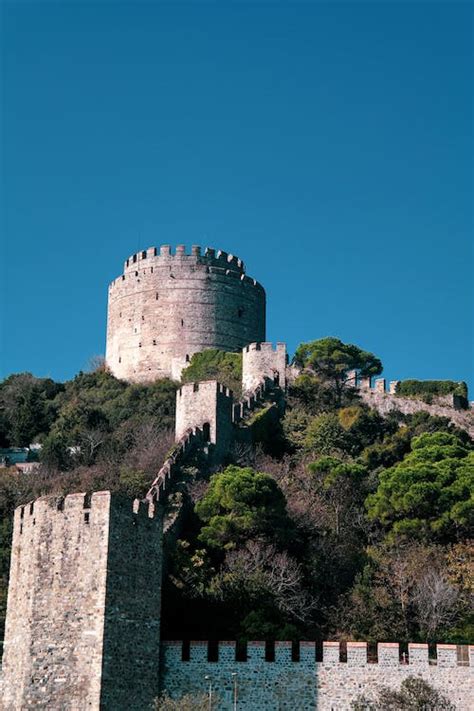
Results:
<point x="262" y="360"/>
<point x="83" y="617"/>
<point x="208" y="405"/>
<point x="165" y="307"/>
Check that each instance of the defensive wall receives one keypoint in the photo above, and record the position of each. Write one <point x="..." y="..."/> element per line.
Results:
<point x="207" y="414"/>
<point x="165" y="307"/>
<point x="376" y="395"/>
<point x="285" y="675"/>
<point x="83" y="615"/>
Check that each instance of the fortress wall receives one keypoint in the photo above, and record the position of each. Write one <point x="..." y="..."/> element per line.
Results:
<point x="165" y="307"/>
<point x="82" y="621"/>
<point x="262" y="360"/>
<point x="307" y="684"/>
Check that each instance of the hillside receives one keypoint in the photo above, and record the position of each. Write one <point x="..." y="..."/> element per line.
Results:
<point x="339" y="522"/>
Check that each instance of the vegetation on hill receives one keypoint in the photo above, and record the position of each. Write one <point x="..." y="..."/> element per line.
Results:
<point x="428" y="389"/>
<point x="346" y="524"/>
<point x="216" y="365"/>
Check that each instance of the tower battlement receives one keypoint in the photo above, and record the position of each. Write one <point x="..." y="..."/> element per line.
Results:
<point x="164" y="255"/>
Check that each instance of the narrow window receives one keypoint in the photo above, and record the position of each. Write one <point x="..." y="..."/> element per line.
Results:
<point x="240" y="312"/>
<point x="120" y="359"/>
<point x="144" y="254"/>
<point x="31" y="508"/>
<point x="134" y="258"/>
<point x="139" y="345"/>
<point x="152" y="270"/>
<point x="120" y="314"/>
<point x="182" y="322"/>
<point x="143" y="318"/>
<point x="154" y="341"/>
<point x="136" y="273"/>
<point x="156" y="296"/>
<point x="86" y="517"/>
<point x="195" y="387"/>
<point x="187" y="358"/>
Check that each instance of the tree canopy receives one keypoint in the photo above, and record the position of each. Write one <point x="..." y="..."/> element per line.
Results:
<point x="430" y="493"/>
<point x="332" y="360"/>
<point x="239" y="504"/>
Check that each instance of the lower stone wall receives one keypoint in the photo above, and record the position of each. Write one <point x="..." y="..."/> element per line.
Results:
<point x="329" y="685"/>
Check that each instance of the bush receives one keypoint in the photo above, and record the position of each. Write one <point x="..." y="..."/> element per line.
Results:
<point x="431" y="388"/>
<point x="216" y="365"/>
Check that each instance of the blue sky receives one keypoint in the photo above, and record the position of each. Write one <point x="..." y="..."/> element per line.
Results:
<point x="328" y="145"/>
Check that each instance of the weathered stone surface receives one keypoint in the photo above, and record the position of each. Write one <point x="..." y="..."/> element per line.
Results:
<point x="83" y="605"/>
<point x="262" y="360"/>
<point x="166" y="307"/>
<point x="329" y="685"/>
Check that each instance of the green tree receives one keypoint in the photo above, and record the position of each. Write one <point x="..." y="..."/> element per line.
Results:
<point x="332" y="360"/>
<point x="218" y="365"/>
<point x="239" y="504"/>
<point x="430" y="492"/>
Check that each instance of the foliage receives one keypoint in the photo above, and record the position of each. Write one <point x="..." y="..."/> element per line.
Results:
<point x="346" y="432"/>
<point x="429" y="494"/>
<point x="430" y="388"/>
<point x="332" y="360"/>
<point x="27" y="406"/>
<point x="215" y="365"/>
<point x="239" y="504"/>
<point x="415" y="694"/>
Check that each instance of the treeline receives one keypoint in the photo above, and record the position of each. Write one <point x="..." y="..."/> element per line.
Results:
<point x="339" y="523"/>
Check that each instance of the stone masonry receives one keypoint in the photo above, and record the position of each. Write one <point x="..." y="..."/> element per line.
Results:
<point x="262" y="360"/>
<point x="165" y="307"/>
<point x="83" y="618"/>
<point x="290" y="682"/>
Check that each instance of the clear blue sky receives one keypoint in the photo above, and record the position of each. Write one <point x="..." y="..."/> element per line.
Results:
<point x="328" y="145"/>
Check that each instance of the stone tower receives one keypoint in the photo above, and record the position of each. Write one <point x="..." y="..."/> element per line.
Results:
<point x="83" y="618"/>
<point x="165" y="307"/>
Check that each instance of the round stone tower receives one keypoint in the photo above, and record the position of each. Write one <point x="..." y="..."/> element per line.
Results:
<point x="165" y="307"/>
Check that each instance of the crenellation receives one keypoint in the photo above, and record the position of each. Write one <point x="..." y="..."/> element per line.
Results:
<point x="331" y="653"/>
<point x="418" y="654"/>
<point x="356" y="653"/>
<point x="388" y="654"/>
<point x="446" y="655"/>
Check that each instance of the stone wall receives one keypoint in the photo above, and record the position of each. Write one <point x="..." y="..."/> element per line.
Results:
<point x="206" y="404"/>
<point x="165" y="307"/>
<point x="386" y="402"/>
<point x="328" y="685"/>
<point x="83" y="605"/>
<point x="262" y="360"/>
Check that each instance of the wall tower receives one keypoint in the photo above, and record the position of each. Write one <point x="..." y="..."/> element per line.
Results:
<point x="165" y="307"/>
<point x="83" y="618"/>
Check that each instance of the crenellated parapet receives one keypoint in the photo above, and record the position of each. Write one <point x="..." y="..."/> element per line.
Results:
<point x="166" y="256"/>
<point x="308" y="675"/>
<point x="385" y="399"/>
